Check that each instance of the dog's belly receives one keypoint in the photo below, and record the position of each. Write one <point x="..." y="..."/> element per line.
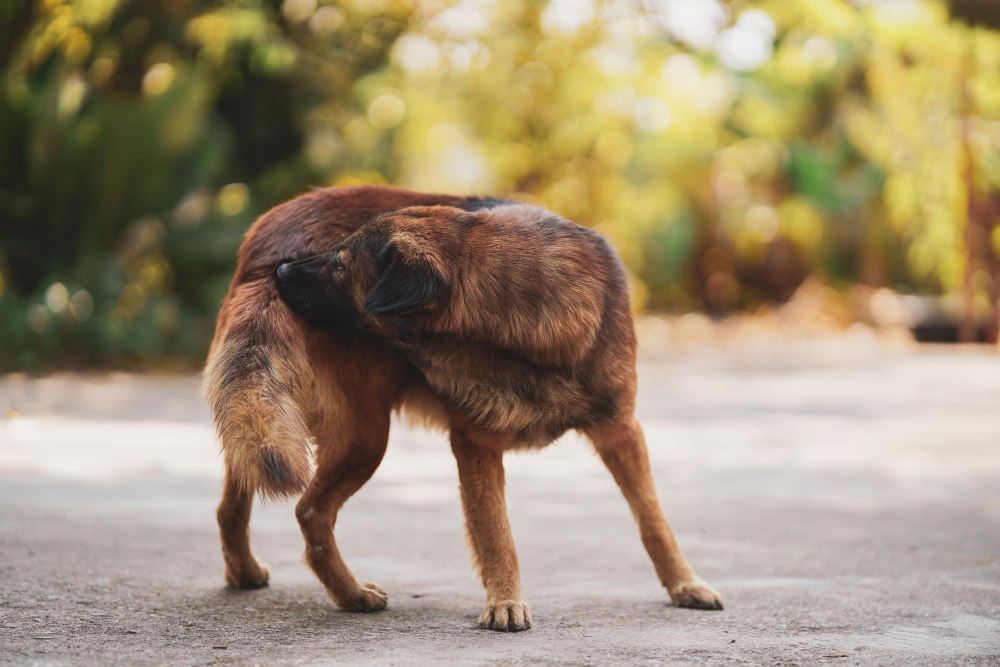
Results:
<point x="535" y="408"/>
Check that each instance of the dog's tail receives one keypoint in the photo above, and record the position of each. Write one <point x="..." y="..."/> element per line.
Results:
<point x="252" y="381"/>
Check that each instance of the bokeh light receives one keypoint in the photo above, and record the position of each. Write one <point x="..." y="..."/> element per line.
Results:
<point x="734" y="152"/>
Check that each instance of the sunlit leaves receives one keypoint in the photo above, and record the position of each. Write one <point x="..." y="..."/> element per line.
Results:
<point x="725" y="148"/>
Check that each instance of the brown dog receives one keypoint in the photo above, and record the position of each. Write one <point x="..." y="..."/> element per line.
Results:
<point x="518" y="322"/>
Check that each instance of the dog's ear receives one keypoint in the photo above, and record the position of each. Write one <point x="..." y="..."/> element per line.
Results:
<point x="402" y="286"/>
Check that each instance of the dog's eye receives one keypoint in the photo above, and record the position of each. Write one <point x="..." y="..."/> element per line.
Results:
<point x="338" y="265"/>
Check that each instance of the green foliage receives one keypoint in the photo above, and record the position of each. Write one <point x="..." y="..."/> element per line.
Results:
<point x="726" y="152"/>
<point x="141" y="140"/>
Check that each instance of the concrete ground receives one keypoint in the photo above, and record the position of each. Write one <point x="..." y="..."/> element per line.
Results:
<point x="845" y="500"/>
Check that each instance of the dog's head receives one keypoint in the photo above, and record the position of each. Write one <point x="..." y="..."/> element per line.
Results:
<point x="396" y="266"/>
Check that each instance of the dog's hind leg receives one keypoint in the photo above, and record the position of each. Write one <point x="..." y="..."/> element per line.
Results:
<point x="317" y="511"/>
<point x="317" y="515"/>
<point x="481" y="477"/>
<point x="233" y="514"/>
<point x="623" y="449"/>
<point x="356" y="383"/>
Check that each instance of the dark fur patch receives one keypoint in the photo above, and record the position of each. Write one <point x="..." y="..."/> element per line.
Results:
<point x="400" y="288"/>
<point x="482" y="203"/>
<point x="276" y="468"/>
<point x="242" y="361"/>
<point x="603" y="408"/>
<point x="246" y="356"/>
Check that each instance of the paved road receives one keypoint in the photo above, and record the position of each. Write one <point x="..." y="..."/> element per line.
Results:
<point x="846" y="504"/>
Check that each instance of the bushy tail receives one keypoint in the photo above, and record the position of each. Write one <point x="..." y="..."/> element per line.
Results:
<point x="252" y="379"/>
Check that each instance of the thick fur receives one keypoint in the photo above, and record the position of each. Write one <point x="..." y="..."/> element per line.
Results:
<point x="253" y="378"/>
<point x="518" y="318"/>
<point x="503" y="323"/>
<point x="254" y="388"/>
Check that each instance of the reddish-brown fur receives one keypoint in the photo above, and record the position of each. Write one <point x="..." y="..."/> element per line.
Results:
<point x="276" y="383"/>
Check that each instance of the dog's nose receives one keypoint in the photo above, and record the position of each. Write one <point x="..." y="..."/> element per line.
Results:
<point x="284" y="270"/>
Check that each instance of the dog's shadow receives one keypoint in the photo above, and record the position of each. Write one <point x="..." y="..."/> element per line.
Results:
<point x="300" y="610"/>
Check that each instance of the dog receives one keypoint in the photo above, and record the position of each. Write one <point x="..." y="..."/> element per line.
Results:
<point x="503" y="323"/>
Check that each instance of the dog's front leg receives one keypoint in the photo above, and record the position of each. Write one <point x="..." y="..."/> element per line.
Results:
<point x="623" y="450"/>
<point x="481" y="476"/>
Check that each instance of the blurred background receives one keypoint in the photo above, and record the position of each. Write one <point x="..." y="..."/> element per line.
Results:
<point x="800" y="190"/>
<point x="841" y="154"/>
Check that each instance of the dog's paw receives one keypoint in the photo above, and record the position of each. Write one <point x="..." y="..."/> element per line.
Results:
<point x="248" y="578"/>
<point x="370" y="597"/>
<point x="506" y="616"/>
<point x="695" y="594"/>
